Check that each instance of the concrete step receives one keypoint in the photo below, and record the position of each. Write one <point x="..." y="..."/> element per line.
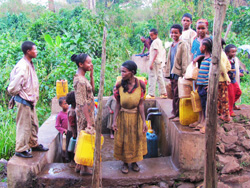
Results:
<point x="152" y="170"/>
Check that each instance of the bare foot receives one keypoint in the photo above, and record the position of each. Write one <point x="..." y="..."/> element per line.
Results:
<point x="176" y="119"/>
<point x="193" y="125"/>
<point x="172" y="117"/>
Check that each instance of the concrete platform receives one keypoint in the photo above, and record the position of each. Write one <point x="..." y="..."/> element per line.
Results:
<point x="152" y="170"/>
<point x="185" y="145"/>
<point x="20" y="171"/>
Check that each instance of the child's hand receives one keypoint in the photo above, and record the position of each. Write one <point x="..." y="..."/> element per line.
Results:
<point x="65" y="131"/>
<point x="89" y="125"/>
<point x="111" y="111"/>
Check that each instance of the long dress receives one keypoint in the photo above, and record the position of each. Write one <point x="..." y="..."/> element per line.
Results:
<point x="84" y="96"/>
<point x="130" y="141"/>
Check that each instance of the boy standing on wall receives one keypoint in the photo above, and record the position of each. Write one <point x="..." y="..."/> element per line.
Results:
<point x="177" y="61"/>
<point x="188" y="34"/>
<point x="155" y="72"/>
<point x="25" y="87"/>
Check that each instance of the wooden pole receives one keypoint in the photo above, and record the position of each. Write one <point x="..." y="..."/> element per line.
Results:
<point x="97" y="176"/>
<point x="51" y="5"/>
<point x="210" y="175"/>
<point x="228" y="29"/>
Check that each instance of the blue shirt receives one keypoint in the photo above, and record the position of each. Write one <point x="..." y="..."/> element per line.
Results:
<point x="203" y="75"/>
<point x="196" y="48"/>
<point x="173" y="51"/>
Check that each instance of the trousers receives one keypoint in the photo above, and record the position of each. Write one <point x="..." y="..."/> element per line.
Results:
<point x="156" y="75"/>
<point x="234" y="93"/>
<point x="26" y="128"/>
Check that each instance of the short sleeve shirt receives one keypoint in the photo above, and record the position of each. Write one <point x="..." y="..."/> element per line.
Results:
<point x="156" y="45"/>
<point x="196" y="48"/>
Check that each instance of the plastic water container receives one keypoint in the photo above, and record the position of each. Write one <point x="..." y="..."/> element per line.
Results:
<point x="72" y="143"/>
<point x="85" y="148"/>
<point x="61" y="88"/>
<point x="187" y="115"/>
<point x="64" y="142"/>
<point x="184" y="88"/>
<point x="152" y="144"/>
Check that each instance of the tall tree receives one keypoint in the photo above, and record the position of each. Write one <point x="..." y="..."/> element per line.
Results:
<point x="211" y="112"/>
<point x="97" y="173"/>
<point x="92" y="4"/>
<point x="51" y="5"/>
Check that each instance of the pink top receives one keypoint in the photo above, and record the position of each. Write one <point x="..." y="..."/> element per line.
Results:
<point x="24" y="81"/>
<point x="62" y="122"/>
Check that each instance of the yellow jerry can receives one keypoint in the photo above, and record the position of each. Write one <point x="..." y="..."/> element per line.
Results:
<point x="61" y="88"/>
<point x="85" y="148"/>
<point x="186" y="113"/>
<point x="196" y="101"/>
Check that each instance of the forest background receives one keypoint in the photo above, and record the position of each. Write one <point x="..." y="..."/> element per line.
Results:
<point x="72" y="28"/>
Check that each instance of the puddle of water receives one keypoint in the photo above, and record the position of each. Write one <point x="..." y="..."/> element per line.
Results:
<point x="53" y="171"/>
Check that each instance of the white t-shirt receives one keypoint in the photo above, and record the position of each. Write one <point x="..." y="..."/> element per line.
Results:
<point x="156" y="45"/>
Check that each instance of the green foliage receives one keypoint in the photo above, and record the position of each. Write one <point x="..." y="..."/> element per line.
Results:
<point x="66" y="32"/>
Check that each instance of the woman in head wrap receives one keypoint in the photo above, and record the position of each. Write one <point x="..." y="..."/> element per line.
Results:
<point x="84" y="98"/>
<point x="129" y="119"/>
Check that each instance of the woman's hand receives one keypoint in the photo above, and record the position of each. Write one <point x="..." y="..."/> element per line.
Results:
<point x="114" y="126"/>
<point x="145" y="128"/>
<point x="89" y="125"/>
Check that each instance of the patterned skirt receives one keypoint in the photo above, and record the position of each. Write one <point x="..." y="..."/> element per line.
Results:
<point x="223" y="107"/>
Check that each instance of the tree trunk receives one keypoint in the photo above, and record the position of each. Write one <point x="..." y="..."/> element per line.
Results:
<point x="211" y="111"/>
<point x="97" y="176"/>
<point x="92" y="4"/>
<point x="52" y="5"/>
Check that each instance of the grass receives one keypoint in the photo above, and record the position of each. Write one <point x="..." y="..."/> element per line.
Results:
<point x="7" y="132"/>
<point x="8" y="128"/>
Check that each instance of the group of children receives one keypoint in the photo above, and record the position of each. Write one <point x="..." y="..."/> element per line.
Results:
<point x="187" y="46"/>
<point x="196" y="47"/>
<point x="66" y="123"/>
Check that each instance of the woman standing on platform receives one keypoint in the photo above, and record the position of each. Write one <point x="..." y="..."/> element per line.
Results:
<point x="84" y="97"/>
<point x="129" y="119"/>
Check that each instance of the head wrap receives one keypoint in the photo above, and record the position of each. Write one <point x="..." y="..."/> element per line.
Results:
<point x="187" y="15"/>
<point x="202" y="21"/>
<point x="131" y="66"/>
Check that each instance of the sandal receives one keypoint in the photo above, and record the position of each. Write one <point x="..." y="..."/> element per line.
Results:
<point x="164" y="96"/>
<point x="135" y="167"/>
<point x="125" y="168"/>
<point x="150" y="97"/>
